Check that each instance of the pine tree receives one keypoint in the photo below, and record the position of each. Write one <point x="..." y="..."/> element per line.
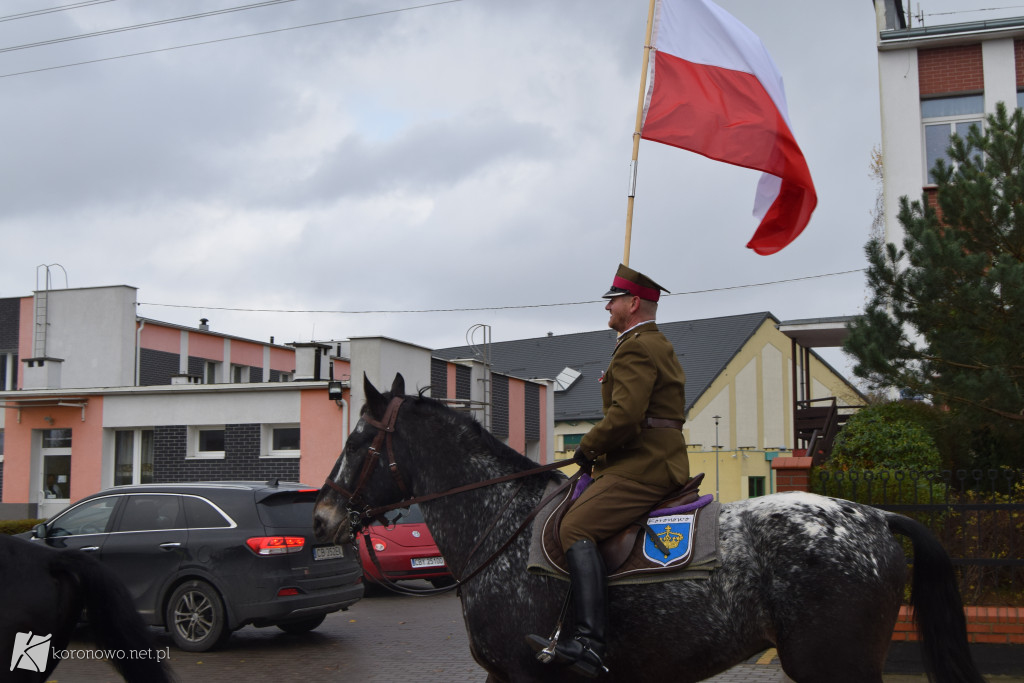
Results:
<point x="945" y="319"/>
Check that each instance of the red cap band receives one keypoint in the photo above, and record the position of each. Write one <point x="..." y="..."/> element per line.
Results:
<point x="635" y="289"/>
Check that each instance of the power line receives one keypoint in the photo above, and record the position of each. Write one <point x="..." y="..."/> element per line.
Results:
<point x="61" y="8"/>
<point x="224" y="40"/>
<point x="488" y="308"/>
<point x="150" y="24"/>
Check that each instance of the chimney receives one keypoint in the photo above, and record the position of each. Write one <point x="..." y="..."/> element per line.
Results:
<point x="204" y="324"/>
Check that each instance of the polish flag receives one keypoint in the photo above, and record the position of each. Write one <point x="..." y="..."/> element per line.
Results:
<point x="716" y="91"/>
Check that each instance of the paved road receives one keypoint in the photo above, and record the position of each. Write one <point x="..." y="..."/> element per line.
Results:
<point x="382" y="638"/>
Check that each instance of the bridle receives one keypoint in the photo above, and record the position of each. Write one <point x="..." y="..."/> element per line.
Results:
<point x="361" y="514"/>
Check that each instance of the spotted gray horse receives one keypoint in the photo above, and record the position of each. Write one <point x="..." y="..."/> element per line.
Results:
<point x="819" y="579"/>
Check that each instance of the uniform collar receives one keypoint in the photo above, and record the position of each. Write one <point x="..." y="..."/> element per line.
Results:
<point x="623" y="335"/>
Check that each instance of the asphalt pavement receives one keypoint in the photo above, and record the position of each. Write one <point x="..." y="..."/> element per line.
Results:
<point x="387" y="637"/>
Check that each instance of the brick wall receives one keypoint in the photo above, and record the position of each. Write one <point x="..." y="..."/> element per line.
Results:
<point x="157" y="367"/>
<point x="532" y="409"/>
<point x="1018" y="59"/>
<point x="241" y="457"/>
<point x="950" y="70"/>
<point x="463" y="382"/>
<point x="792" y="474"/>
<point x="10" y="322"/>
<point x="998" y="625"/>
<point x="499" y="406"/>
<point x="438" y="378"/>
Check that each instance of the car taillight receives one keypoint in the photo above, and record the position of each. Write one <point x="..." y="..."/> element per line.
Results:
<point x="275" y="545"/>
<point x="285" y="592"/>
<point x="379" y="544"/>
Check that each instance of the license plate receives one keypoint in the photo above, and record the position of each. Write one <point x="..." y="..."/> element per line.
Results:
<point x="328" y="552"/>
<point x="418" y="562"/>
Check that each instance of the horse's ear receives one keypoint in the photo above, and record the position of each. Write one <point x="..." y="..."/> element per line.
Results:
<point x="374" y="399"/>
<point x="398" y="386"/>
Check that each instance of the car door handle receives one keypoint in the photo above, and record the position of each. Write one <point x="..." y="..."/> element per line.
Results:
<point x="90" y="548"/>
<point x="170" y="545"/>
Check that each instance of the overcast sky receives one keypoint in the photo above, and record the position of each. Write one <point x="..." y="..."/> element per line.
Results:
<point x="470" y="154"/>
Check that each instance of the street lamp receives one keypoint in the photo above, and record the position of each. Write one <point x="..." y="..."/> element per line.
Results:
<point x="716" y="418"/>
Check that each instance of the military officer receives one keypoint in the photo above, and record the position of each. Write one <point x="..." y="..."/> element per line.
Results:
<point x="636" y="454"/>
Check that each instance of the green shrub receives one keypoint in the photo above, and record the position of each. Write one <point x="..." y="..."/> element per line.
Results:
<point x="886" y="436"/>
<point x="17" y="526"/>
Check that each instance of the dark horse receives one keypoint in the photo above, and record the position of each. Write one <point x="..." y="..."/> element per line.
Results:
<point x="43" y="592"/>
<point x="819" y="579"/>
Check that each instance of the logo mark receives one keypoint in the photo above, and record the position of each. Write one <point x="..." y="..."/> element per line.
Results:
<point x="31" y="652"/>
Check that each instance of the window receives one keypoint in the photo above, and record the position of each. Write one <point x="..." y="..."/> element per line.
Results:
<point x="87" y="518"/>
<point x="133" y="456"/>
<point x="281" y="441"/>
<point x="152" y="513"/>
<point x="201" y="514"/>
<point x="56" y="453"/>
<point x="240" y="374"/>
<point x="571" y="441"/>
<point x="755" y="487"/>
<point x="206" y="443"/>
<point x="942" y="117"/>
<point x="210" y="369"/>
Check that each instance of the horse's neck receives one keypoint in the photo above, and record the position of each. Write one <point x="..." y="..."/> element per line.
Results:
<point x="487" y="515"/>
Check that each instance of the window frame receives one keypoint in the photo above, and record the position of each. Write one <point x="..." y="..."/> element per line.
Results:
<point x="193" y="452"/>
<point x="267" y="449"/>
<point x="953" y="121"/>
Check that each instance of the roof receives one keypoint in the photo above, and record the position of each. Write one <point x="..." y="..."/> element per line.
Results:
<point x="705" y="348"/>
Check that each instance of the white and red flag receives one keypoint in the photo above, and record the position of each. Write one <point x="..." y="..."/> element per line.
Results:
<point x="716" y="91"/>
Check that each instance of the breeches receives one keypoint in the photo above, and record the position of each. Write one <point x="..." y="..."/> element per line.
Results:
<point x="608" y="506"/>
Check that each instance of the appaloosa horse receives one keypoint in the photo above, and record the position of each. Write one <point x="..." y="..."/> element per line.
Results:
<point x="820" y="579"/>
<point x="42" y="594"/>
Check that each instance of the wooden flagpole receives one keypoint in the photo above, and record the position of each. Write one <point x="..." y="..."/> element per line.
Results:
<point x="636" y="132"/>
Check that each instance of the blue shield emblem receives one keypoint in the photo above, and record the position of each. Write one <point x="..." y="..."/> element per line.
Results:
<point x="675" y="534"/>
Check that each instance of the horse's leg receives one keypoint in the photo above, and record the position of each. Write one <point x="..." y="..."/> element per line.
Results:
<point x="844" y="634"/>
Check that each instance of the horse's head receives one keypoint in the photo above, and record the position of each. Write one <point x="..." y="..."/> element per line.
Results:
<point x="365" y="474"/>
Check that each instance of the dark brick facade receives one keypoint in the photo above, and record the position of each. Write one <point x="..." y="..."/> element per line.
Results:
<point x="10" y="324"/>
<point x="157" y="367"/>
<point x="275" y="375"/>
<point x="499" y="406"/>
<point x="197" y="366"/>
<point x="255" y="374"/>
<point x="241" y="457"/>
<point x="463" y="382"/>
<point x="532" y="408"/>
<point x="438" y="378"/>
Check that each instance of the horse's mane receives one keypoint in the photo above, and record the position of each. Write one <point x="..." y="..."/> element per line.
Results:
<point x="469" y="425"/>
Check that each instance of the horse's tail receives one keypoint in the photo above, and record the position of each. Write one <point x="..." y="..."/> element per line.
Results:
<point x="938" y="608"/>
<point x="115" y="623"/>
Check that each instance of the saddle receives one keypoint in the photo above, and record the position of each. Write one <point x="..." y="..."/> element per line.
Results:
<point x="624" y="553"/>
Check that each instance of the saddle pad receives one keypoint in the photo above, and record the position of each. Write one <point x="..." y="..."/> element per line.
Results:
<point x="704" y="552"/>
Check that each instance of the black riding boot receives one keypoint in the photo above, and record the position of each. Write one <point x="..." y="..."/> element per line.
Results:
<point x="584" y="653"/>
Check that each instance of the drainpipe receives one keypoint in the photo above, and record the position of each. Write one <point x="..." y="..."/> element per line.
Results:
<point x="138" y="350"/>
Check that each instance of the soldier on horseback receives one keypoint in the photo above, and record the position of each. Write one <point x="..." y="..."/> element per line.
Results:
<point x="636" y="454"/>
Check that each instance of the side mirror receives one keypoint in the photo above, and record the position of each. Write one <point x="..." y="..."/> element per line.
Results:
<point x="39" y="530"/>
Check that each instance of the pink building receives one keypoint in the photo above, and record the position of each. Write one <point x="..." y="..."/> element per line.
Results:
<point x="94" y="396"/>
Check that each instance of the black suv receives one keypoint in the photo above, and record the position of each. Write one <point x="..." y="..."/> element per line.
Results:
<point x="206" y="559"/>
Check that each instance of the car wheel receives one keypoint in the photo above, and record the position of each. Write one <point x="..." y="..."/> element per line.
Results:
<point x="195" y="617"/>
<point x="302" y="625"/>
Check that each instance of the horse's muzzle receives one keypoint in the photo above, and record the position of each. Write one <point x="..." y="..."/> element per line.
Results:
<point x="331" y="523"/>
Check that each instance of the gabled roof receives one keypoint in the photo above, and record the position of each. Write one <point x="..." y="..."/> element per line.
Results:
<point x="704" y="347"/>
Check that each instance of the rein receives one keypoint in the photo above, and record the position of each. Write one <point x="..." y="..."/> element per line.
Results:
<point x="360" y="517"/>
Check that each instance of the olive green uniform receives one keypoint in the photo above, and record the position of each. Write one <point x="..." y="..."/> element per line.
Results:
<point x="635" y="465"/>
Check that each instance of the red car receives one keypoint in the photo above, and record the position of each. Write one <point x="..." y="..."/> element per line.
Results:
<point x="405" y="550"/>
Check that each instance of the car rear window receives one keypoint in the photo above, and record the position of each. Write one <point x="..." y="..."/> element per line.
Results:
<point x="288" y="509"/>
<point x="202" y="515"/>
<point x="151" y="512"/>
